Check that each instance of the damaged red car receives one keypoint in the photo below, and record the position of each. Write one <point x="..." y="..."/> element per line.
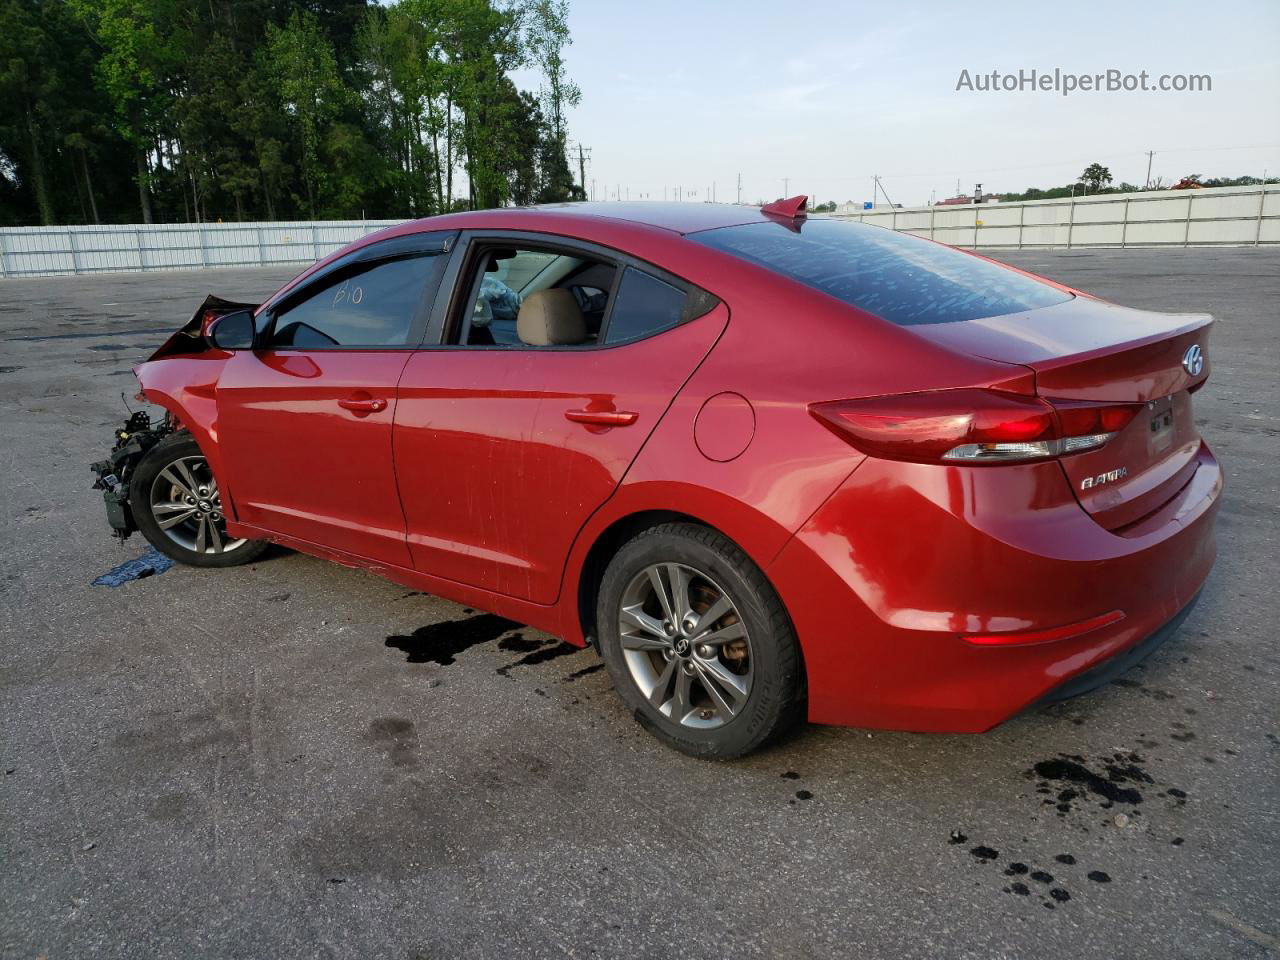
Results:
<point x="774" y="467"/>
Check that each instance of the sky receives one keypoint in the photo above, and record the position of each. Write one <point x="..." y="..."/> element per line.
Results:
<point x="817" y="97"/>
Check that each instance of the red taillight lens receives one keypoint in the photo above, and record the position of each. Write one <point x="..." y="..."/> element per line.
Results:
<point x="1079" y="418"/>
<point x="971" y="426"/>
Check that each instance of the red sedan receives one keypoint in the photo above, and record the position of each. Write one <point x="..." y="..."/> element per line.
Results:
<point x="772" y="467"/>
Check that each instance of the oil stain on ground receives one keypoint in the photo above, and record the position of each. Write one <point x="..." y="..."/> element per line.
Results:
<point x="442" y="642"/>
<point x="397" y="737"/>
<point x="546" y="650"/>
<point x="148" y="565"/>
<point x="1114" y="784"/>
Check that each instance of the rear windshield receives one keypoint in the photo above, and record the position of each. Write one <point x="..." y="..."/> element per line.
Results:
<point x="904" y="279"/>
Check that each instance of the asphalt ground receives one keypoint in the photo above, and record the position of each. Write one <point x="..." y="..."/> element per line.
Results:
<point x="294" y="759"/>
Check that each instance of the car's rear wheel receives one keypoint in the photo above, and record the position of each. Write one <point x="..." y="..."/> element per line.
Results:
<point x="698" y="643"/>
<point x="177" y="505"/>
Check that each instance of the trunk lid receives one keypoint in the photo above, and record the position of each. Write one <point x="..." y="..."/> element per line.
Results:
<point x="1089" y="350"/>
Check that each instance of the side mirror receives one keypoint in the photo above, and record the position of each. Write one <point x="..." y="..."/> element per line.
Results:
<point x="233" y="331"/>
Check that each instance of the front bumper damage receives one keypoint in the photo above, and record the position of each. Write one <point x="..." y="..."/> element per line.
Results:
<point x="138" y="435"/>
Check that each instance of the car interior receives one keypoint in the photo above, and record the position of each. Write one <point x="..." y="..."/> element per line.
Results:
<point x="537" y="298"/>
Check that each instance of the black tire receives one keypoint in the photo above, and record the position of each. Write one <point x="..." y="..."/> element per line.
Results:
<point x="774" y="698"/>
<point x="173" y="453"/>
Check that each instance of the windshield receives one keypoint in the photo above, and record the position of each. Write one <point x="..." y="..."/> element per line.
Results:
<point x="904" y="279"/>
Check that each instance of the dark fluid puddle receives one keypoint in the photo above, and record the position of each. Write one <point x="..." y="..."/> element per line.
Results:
<point x="148" y="565"/>
<point x="585" y="671"/>
<point x="442" y="642"/>
<point x="1071" y="770"/>
<point x="519" y="643"/>
<point x="549" y="651"/>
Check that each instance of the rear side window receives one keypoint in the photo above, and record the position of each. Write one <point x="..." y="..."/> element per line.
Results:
<point x="644" y="306"/>
<point x="904" y="279"/>
<point x="374" y="307"/>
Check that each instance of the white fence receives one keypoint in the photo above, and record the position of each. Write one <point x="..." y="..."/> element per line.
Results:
<point x="1239" y="216"/>
<point x="46" y="251"/>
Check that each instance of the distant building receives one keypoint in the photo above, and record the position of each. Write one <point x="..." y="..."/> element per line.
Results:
<point x="1187" y="184"/>
<point x="965" y="198"/>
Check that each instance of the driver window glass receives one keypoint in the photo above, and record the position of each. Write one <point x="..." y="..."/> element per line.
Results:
<point x="372" y="308"/>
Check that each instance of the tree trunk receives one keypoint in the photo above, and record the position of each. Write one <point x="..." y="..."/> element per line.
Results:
<point x="448" y="154"/>
<point x="43" y="201"/>
<point x="88" y="184"/>
<point x="75" y="177"/>
<point x="144" y="195"/>
<point x="266" y="195"/>
<point x="435" y="156"/>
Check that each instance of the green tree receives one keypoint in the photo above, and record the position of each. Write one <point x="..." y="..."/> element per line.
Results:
<point x="1095" y="177"/>
<point x="300" y="58"/>
<point x="173" y="110"/>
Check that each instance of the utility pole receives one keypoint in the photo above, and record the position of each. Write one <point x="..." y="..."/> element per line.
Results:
<point x="739" y="188"/>
<point x="785" y="185"/>
<point x="584" y="154"/>
<point x="880" y="187"/>
<point x="593" y="188"/>
<point x="1150" y="155"/>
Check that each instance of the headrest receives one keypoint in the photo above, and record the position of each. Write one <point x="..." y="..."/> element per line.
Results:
<point x="550" y="318"/>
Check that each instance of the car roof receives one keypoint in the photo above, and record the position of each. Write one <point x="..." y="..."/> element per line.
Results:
<point x="675" y="217"/>
<point x="670" y="219"/>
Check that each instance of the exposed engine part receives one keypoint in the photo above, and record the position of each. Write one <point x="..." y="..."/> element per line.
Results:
<point x="133" y="441"/>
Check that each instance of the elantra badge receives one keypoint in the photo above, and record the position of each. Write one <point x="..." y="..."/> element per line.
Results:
<point x="1111" y="476"/>
<point x="1193" y="360"/>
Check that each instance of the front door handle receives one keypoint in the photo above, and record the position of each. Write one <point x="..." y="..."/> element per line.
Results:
<point x="363" y="404"/>
<point x="603" y="418"/>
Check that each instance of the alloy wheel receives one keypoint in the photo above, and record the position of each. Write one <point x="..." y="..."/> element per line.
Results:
<point x="187" y="506"/>
<point x="685" y="645"/>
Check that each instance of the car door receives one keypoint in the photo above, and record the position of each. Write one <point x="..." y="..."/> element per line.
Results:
<point x="504" y="450"/>
<point x="305" y="419"/>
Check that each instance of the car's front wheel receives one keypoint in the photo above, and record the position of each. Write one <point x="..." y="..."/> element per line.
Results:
<point x="698" y="644"/>
<point x="178" y="507"/>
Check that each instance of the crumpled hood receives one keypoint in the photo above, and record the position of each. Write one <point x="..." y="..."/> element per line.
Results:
<point x="190" y="337"/>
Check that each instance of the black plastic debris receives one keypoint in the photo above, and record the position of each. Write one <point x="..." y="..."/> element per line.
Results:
<point x="148" y="565"/>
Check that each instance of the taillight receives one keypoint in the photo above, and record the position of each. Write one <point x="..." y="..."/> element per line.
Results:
<point x="972" y="426"/>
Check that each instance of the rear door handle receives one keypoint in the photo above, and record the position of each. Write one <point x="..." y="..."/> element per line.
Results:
<point x="363" y="405"/>
<point x="603" y="418"/>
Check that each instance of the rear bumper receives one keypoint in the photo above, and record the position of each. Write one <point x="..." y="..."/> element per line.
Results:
<point x="1118" y="664"/>
<point x="904" y="560"/>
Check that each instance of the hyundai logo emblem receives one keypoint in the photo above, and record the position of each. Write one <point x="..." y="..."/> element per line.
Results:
<point x="1193" y="360"/>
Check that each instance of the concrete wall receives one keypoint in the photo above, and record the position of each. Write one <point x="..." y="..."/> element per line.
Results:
<point x="1157" y="218"/>
<point x="46" y="251"/>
